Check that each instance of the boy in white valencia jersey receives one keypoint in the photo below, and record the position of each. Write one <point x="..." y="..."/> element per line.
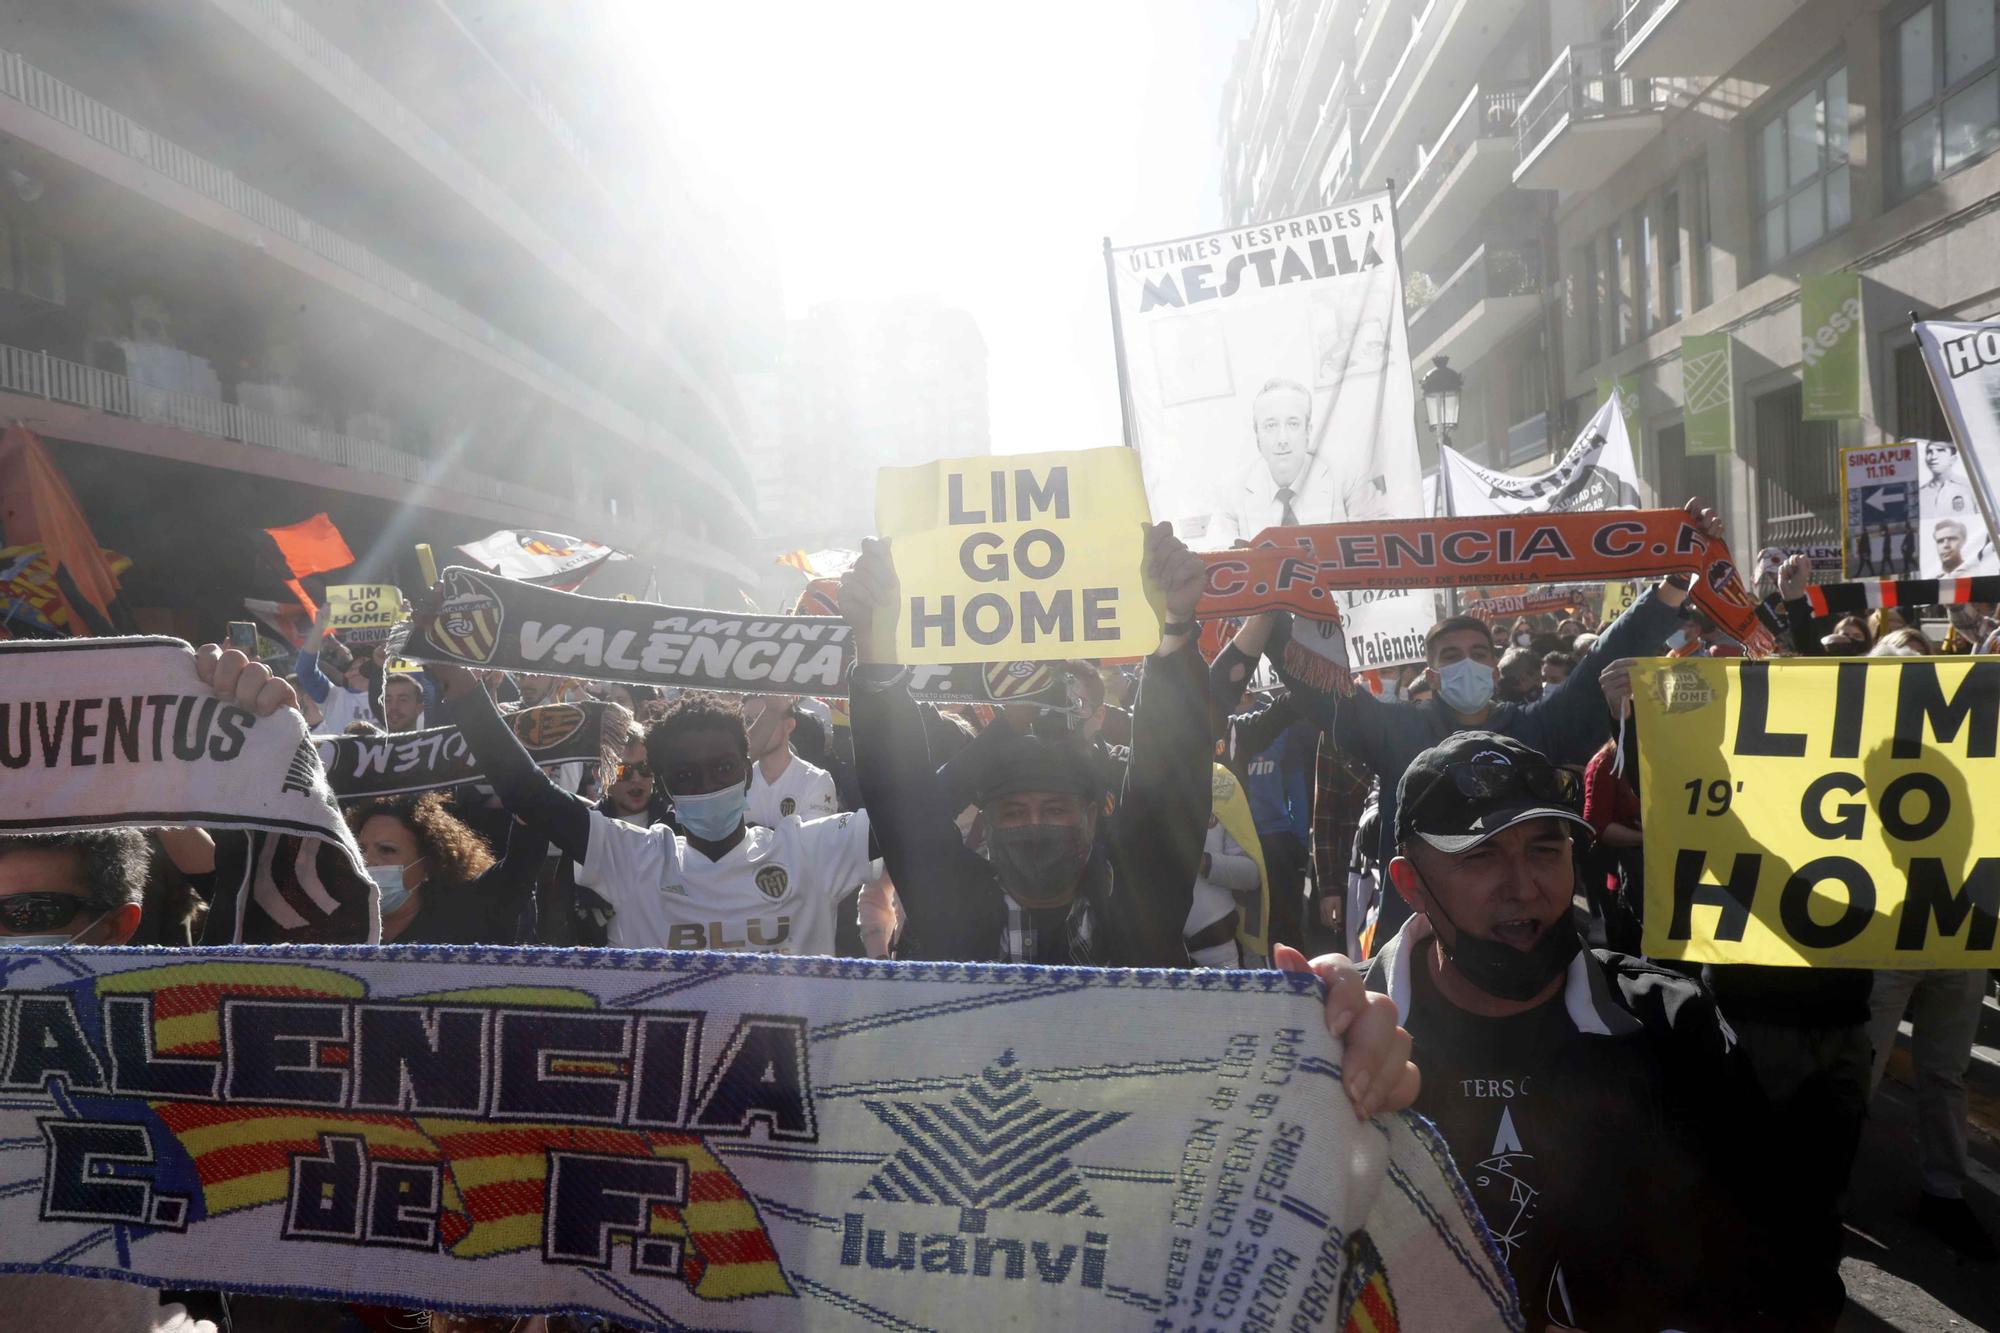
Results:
<point x="716" y="884"/>
<point x="775" y="891"/>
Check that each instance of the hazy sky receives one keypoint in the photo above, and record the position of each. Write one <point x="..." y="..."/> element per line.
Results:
<point x="974" y="152"/>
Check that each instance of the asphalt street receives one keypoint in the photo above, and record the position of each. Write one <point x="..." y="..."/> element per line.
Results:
<point x="1898" y="1276"/>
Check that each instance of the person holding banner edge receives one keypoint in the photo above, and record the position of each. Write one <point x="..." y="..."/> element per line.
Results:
<point x="1568" y="723"/>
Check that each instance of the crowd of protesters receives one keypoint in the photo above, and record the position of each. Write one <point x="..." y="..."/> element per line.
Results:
<point x="1451" y="838"/>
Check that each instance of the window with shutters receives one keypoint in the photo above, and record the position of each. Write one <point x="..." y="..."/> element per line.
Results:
<point x="1919" y="416"/>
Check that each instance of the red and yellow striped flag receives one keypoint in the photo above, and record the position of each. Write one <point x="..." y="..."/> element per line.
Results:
<point x="494" y="1174"/>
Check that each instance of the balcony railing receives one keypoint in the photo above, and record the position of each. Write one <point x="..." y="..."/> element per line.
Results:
<point x="40" y="375"/>
<point x="1580" y="85"/>
<point x="332" y="58"/>
<point x="1485" y="114"/>
<point x="1638" y="13"/>
<point x="1370" y="27"/>
<point x="1488" y="273"/>
<point x="52" y="97"/>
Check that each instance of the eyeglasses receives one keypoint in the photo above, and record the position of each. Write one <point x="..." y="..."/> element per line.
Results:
<point x="1492" y="782"/>
<point x="641" y="769"/>
<point x="39" y="913"/>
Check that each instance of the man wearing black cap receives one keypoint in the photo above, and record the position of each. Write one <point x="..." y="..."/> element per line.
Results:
<point x="1383" y="735"/>
<point x="1596" y="1104"/>
<point x="1073" y="877"/>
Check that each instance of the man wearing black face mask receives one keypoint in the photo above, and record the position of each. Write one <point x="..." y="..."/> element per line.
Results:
<point x="1067" y="883"/>
<point x="1596" y="1104"/>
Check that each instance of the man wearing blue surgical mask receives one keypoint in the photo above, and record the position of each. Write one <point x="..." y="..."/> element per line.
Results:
<point x="71" y="888"/>
<point x="1567" y="723"/>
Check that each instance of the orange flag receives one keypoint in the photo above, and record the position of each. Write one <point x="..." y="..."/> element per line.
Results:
<point x="36" y="505"/>
<point x="314" y="546"/>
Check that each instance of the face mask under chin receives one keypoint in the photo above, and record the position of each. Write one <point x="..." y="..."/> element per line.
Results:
<point x="1040" y="865"/>
<point x="1501" y="970"/>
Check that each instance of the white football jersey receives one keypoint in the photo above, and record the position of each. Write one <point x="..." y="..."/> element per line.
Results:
<point x="775" y="892"/>
<point x="802" y="789"/>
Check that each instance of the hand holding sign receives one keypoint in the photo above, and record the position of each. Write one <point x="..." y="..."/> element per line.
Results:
<point x="867" y="592"/>
<point x="1615" y="682"/>
<point x="1175" y="573"/>
<point x="363" y="612"/>
<point x="1034" y="558"/>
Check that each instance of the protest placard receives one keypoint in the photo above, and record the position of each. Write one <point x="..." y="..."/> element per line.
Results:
<point x="1820" y="812"/>
<point x="363" y="612"/>
<point x="1265" y="377"/>
<point x="1036" y="557"/>
<point x="1908" y="513"/>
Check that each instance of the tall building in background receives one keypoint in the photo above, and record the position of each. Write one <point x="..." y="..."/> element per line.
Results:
<point x="424" y="266"/>
<point x="862" y="385"/>
<point x="1583" y="183"/>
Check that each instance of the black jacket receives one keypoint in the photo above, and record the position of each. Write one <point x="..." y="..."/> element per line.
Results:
<point x="1152" y="838"/>
<point x="1660" y="1207"/>
<point x="491" y="908"/>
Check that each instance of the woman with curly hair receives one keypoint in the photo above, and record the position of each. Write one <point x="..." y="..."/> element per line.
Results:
<point x="439" y="881"/>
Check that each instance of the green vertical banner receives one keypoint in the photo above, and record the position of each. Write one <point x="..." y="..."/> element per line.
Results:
<point x="1830" y="346"/>
<point x="1708" y="393"/>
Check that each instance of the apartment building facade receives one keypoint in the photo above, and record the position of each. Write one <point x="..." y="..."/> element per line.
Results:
<point x="1582" y="183"/>
<point x="421" y="266"/>
<point x="1785" y="140"/>
<point x="861" y="385"/>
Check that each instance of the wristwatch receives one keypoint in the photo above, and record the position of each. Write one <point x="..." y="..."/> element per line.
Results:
<point x="1683" y="581"/>
<point x="1171" y="629"/>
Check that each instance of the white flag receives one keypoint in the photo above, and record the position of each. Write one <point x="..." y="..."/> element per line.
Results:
<point x="539" y="557"/>
<point x="1596" y="473"/>
<point x="1964" y="361"/>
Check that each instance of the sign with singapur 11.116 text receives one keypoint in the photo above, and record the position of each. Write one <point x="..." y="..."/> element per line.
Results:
<point x="1032" y="558"/>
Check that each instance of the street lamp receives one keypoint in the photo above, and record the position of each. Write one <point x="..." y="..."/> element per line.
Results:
<point x="1441" y="385"/>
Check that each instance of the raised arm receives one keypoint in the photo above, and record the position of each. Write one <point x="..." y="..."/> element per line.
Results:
<point x="1578" y="712"/>
<point x="1162" y="814"/>
<point x="505" y="887"/>
<point x="313" y="681"/>
<point x="949" y="895"/>
<point x="1793" y="579"/>
<point x="1252" y="733"/>
<point x="563" y="817"/>
<point x="1359" y="723"/>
